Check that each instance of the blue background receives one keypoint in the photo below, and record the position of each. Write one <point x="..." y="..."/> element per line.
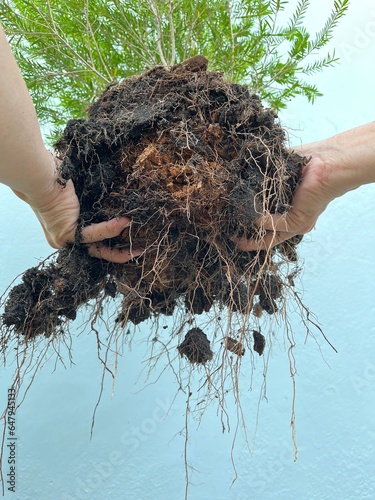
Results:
<point x="137" y="448"/>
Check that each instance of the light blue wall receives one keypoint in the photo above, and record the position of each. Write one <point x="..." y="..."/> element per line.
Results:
<point x="137" y="448"/>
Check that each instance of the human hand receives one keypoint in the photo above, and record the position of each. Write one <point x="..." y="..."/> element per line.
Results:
<point x="310" y="200"/>
<point x="57" y="210"/>
<point x="337" y="165"/>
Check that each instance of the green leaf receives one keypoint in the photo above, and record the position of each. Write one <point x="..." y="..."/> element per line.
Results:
<point x="70" y="51"/>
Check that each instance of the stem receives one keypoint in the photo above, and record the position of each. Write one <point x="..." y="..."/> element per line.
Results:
<point x="139" y="48"/>
<point x="171" y="28"/>
<point x="50" y="23"/>
<point x="89" y="32"/>
<point x="232" y="44"/>
<point x="159" y="41"/>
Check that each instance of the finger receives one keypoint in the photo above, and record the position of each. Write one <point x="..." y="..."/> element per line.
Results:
<point x="269" y="240"/>
<point x="104" y="230"/>
<point x="274" y="222"/>
<point x="113" y="254"/>
<point x="293" y="222"/>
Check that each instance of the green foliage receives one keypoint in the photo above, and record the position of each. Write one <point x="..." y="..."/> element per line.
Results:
<point x="70" y="51"/>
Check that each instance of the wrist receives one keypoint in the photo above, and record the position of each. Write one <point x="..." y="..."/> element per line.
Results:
<point x="43" y="187"/>
<point x="349" y="159"/>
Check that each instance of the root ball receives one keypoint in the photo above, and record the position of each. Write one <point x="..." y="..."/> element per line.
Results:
<point x="194" y="160"/>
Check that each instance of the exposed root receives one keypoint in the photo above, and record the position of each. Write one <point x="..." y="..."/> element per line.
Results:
<point x="193" y="160"/>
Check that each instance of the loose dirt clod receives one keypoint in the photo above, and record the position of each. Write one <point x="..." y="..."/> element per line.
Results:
<point x="196" y="347"/>
<point x="193" y="160"/>
<point x="234" y="346"/>
<point x="259" y="342"/>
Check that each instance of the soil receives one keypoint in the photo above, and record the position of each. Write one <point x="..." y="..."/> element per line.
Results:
<point x="193" y="159"/>
<point x="196" y="347"/>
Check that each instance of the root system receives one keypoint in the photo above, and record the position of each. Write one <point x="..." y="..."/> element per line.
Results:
<point x="193" y="160"/>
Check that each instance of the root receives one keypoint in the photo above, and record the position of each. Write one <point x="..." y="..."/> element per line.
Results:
<point x="193" y="160"/>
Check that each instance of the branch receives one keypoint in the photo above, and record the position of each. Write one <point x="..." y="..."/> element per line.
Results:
<point x="159" y="29"/>
<point x="171" y="28"/>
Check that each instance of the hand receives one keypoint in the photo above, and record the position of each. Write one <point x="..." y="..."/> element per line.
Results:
<point x="310" y="200"/>
<point x="58" y="210"/>
<point x="337" y="165"/>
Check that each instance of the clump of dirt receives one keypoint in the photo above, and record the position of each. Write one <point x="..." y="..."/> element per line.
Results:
<point x="234" y="346"/>
<point x="194" y="160"/>
<point x="196" y="347"/>
<point x="259" y="342"/>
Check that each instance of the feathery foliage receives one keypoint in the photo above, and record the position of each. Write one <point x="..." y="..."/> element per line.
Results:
<point x="70" y="51"/>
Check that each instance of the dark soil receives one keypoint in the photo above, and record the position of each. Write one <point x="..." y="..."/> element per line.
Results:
<point x="259" y="342"/>
<point x="193" y="160"/>
<point x="196" y="347"/>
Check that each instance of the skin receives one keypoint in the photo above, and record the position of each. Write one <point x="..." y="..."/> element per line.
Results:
<point x="30" y="170"/>
<point x="337" y="165"/>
